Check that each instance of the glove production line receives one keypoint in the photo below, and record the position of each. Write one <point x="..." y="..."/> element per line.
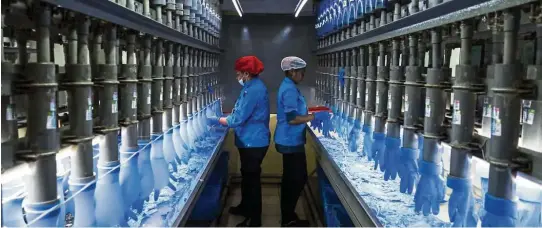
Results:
<point x="120" y="126"/>
<point x="436" y="108"/>
<point x="430" y="111"/>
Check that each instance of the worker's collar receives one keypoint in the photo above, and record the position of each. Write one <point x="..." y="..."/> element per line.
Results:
<point x="289" y="80"/>
<point x="250" y="82"/>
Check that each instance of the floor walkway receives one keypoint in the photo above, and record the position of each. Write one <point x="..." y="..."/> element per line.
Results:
<point x="270" y="209"/>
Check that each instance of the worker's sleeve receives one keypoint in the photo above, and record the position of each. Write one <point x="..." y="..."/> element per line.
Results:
<point x="289" y="100"/>
<point x="245" y="108"/>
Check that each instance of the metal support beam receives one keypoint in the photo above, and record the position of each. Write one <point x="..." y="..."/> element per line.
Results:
<point x="157" y="91"/>
<point x="128" y="97"/>
<point x="413" y="94"/>
<point x="383" y="75"/>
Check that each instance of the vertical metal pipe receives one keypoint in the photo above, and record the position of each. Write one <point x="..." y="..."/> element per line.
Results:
<point x="435" y="101"/>
<point x="189" y="82"/>
<point x="370" y="95"/>
<point x="157" y="91"/>
<point x="346" y="87"/>
<point x="463" y="105"/>
<point x="42" y="139"/>
<point x="413" y="95"/>
<point x="353" y="84"/>
<point x="334" y="79"/>
<point x="395" y="92"/>
<point x="177" y="88"/>
<point x="381" y="92"/>
<point x="78" y="82"/>
<point x="9" y="121"/>
<point x="144" y="90"/>
<point x="362" y="76"/>
<point x="107" y="80"/>
<point x="168" y="84"/>
<point x="128" y="97"/>
<point x="506" y="111"/>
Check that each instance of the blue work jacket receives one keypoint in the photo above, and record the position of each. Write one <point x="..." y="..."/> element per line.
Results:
<point x="250" y="116"/>
<point x="289" y="137"/>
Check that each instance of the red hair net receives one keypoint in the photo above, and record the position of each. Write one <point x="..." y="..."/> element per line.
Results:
<point x="250" y="64"/>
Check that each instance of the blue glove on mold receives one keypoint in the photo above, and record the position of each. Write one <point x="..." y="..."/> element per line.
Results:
<point x="377" y="149"/>
<point x="408" y="169"/>
<point x="461" y="204"/>
<point x="499" y="212"/>
<point x="354" y="137"/>
<point x="392" y="152"/>
<point x="429" y="192"/>
<point x="367" y="141"/>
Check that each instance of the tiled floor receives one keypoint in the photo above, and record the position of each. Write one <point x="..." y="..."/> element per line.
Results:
<point x="270" y="206"/>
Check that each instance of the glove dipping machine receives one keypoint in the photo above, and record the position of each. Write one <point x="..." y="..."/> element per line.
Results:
<point x="441" y="107"/>
<point x="131" y="145"/>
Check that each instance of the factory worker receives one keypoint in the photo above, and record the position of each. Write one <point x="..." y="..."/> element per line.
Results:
<point x="250" y="120"/>
<point x="292" y="116"/>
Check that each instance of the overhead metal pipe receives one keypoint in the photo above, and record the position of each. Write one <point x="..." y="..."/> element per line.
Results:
<point x="108" y="95"/>
<point x="506" y="112"/>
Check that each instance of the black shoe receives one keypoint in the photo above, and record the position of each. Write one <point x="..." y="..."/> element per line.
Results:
<point x="296" y="223"/>
<point x="250" y="223"/>
<point x="239" y="210"/>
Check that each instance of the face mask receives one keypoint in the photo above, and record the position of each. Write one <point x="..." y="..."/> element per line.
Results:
<point x="241" y="82"/>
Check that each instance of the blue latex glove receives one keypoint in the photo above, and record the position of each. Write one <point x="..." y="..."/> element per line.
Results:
<point x="530" y="208"/>
<point x="499" y="212"/>
<point x="408" y="169"/>
<point x="322" y="116"/>
<point x="392" y="152"/>
<point x="354" y="137"/>
<point x="344" y="126"/>
<point x="326" y="128"/>
<point x="367" y="141"/>
<point x="213" y="121"/>
<point x="336" y="122"/>
<point x="429" y="191"/>
<point x="377" y="149"/>
<point x="461" y="203"/>
<point x="316" y="124"/>
<point x="341" y="76"/>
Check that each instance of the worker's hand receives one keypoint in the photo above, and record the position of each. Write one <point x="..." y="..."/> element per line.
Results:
<point x="461" y="203"/>
<point x="499" y="212"/>
<point x="408" y="169"/>
<point x="392" y="157"/>
<point x="429" y="192"/>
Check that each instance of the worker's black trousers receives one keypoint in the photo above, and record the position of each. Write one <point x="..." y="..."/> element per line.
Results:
<point x="294" y="177"/>
<point x="251" y="186"/>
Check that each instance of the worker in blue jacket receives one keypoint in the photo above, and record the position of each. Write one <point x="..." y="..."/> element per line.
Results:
<point x="292" y="118"/>
<point x="250" y="121"/>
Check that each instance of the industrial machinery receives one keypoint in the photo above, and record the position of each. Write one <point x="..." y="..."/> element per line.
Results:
<point x="437" y="106"/>
<point x="95" y="94"/>
<point x="451" y="89"/>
